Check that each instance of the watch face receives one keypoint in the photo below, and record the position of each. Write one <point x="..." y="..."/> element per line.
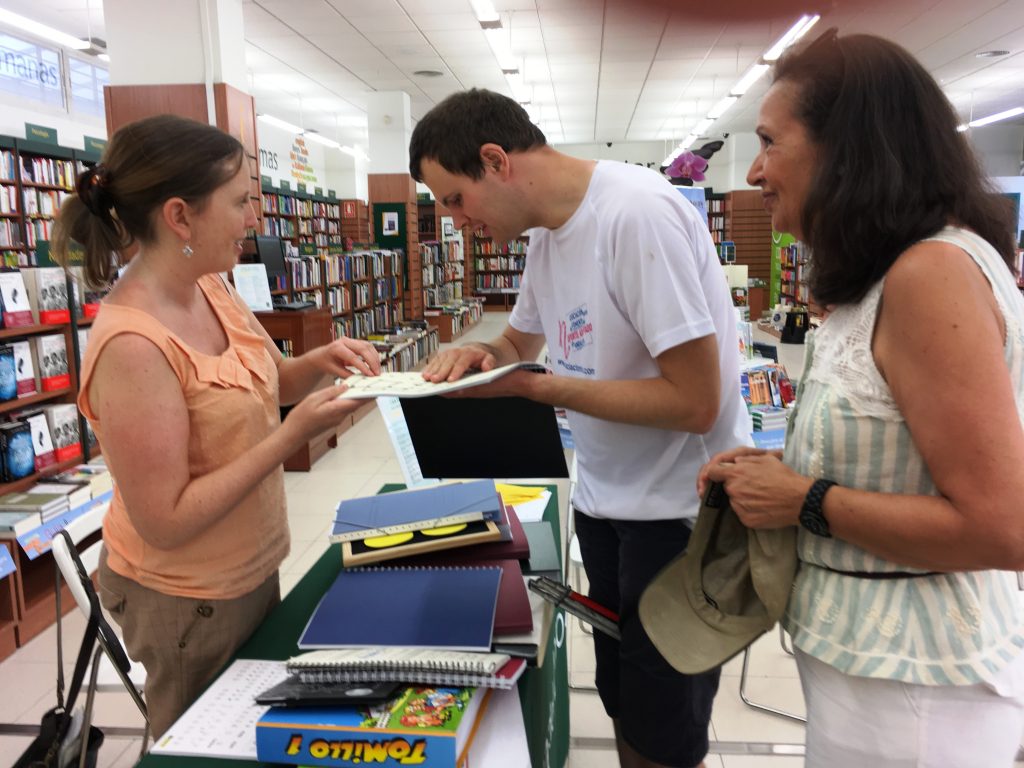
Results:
<point x="815" y="524"/>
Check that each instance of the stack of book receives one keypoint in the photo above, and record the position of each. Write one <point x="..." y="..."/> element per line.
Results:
<point x="767" y="418"/>
<point x="22" y="511"/>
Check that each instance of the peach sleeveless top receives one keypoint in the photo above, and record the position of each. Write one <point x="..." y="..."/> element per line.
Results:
<point x="232" y="402"/>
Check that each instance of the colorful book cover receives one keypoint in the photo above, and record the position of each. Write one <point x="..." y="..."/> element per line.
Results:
<point x="63" y="421"/>
<point x="52" y="354"/>
<point x="52" y="296"/>
<point x="24" y="371"/>
<point x="427" y="727"/>
<point x="17" y="311"/>
<point x="8" y="374"/>
<point x="16" y="448"/>
<point x="42" y="440"/>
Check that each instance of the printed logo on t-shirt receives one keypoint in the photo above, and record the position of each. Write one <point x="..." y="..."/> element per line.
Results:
<point x="575" y="333"/>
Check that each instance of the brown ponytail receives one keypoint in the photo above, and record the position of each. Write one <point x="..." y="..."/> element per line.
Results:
<point x="145" y="164"/>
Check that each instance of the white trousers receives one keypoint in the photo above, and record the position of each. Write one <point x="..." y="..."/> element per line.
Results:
<point x="860" y="722"/>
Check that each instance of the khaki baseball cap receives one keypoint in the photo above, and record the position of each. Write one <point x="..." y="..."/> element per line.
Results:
<point x="729" y="587"/>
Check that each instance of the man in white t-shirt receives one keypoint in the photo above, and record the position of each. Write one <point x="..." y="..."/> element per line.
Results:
<point x="623" y="284"/>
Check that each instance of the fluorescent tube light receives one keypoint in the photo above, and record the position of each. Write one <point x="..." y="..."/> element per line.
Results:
<point x="485" y="12"/>
<point x="41" y="30"/>
<point x="702" y="126"/>
<point x="722" y="106"/>
<point x="104" y="57"/>
<point x="282" y="124"/>
<point x="996" y="117"/>
<point x="321" y="140"/>
<point x="751" y="76"/>
<point x="794" y="33"/>
<point x="498" y="40"/>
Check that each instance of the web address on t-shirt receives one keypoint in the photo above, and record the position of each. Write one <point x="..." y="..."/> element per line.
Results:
<point x="576" y="368"/>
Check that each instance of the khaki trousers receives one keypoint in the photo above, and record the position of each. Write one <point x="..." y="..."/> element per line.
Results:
<point x="181" y="641"/>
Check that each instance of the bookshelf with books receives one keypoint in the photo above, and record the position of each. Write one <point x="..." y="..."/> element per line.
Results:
<point x="498" y="270"/>
<point x="280" y="211"/>
<point x="355" y="221"/>
<point x="792" y="286"/>
<point x="716" y="203"/>
<point x="454" y="318"/>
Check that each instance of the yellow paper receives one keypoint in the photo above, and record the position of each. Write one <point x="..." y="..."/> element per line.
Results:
<point x="519" y="494"/>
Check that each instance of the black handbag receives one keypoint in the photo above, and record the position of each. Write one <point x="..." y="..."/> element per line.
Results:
<point x="45" y="750"/>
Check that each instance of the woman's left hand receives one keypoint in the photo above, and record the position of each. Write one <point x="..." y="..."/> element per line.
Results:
<point x="341" y="355"/>
<point x="763" y="491"/>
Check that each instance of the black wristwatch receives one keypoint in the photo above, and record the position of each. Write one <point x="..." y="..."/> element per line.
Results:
<point x="811" y="516"/>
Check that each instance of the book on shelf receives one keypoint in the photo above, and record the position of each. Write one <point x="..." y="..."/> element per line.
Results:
<point x="63" y="421"/>
<point x="449" y="608"/>
<point x="42" y="439"/>
<point x="428" y="727"/>
<point x="52" y="357"/>
<point x="15" y="309"/>
<point x="77" y="494"/>
<point x="44" y="506"/>
<point x="47" y="289"/>
<point x="8" y="373"/>
<point x="412" y="384"/>
<point x="14" y="523"/>
<point x="16" y="452"/>
<point x="416" y="509"/>
<point x="99" y="479"/>
<point x="24" y="369"/>
<point x="409" y="665"/>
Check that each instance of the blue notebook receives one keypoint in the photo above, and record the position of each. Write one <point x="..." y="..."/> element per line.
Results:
<point x="417" y="509"/>
<point x="437" y="607"/>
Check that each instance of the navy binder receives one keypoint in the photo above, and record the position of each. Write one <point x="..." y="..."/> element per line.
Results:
<point x="440" y="607"/>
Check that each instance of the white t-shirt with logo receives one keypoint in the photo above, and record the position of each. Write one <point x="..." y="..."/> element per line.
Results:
<point x="632" y="274"/>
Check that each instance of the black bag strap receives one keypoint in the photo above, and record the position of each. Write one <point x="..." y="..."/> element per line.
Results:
<point x="88" y="639"/>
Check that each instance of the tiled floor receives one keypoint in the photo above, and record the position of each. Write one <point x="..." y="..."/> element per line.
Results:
<point x="363" y="461"/>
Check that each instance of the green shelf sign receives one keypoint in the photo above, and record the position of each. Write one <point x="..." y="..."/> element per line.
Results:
<point x="307" y="249"/>
<point x="93" y="144"/>
<point x="286" y="186"/>
<point x="41" y="133"/>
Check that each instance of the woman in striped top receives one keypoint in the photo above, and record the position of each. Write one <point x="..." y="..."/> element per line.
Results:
<point x="903" y="459"/>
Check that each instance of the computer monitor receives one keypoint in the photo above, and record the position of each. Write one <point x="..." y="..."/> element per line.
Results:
<point x="270" y="251"/>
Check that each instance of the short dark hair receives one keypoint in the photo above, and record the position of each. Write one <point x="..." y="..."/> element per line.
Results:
<point x="145" y="164"/>
<point x="892" y="168"/>
<point x="454" y="130"/>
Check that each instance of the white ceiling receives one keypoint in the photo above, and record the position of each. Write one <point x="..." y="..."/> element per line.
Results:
<point x="599" y="70"/>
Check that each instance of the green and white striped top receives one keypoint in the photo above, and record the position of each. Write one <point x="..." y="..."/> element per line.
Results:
<point x="948" y="629"/>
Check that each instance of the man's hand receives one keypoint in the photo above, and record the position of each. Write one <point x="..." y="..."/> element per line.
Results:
<point x="452" y="364"/>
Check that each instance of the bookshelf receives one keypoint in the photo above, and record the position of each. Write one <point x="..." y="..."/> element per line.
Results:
<point x="454" y="318"/>
<point x="792" y="287"/>
<point x="498" y="270"/>
<point x="355" y="221"/>
<point x="749" y="226"/>
<point x="716" y="203"/>
<point x="444" y="272"/>
<point x="297" y="333"/>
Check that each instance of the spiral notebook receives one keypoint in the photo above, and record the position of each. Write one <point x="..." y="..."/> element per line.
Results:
<point x="408" y="665"/>
<point x="439" y="607"/>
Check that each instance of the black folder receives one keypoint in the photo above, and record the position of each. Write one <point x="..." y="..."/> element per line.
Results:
<point x="470" y="437"/>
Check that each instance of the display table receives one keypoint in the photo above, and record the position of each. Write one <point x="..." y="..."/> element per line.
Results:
<point x="543" y="691"/>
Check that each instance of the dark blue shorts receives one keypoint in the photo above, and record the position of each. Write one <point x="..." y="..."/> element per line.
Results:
<point x="662" y="714"/>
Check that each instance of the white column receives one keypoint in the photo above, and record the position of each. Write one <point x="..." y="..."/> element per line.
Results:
<point x="389" y="121"/>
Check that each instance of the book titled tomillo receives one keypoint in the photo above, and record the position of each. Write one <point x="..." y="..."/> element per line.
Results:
<point x="416" y="510"/>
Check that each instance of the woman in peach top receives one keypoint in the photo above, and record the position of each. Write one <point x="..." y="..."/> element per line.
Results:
<point x="182" y="386"/>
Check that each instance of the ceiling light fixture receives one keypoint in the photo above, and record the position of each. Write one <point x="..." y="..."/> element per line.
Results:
<point x="485" y="13"/>
<point x="794" y="33"/>
<point x="498" y="40"/>
<point x="429" y="73"/>
<point x="751" y="76"/>
<point x="993" y="54"/>
<point x="1006" y="115"/>
<point x="41" y="30"/>
<point x="314" y="136"/>
<point x="722" y="107"/>
<point x="278" y="122"/>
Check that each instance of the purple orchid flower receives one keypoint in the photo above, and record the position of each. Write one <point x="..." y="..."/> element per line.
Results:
<point x="687" y="166"/>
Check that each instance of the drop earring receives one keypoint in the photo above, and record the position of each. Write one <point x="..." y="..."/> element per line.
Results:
<point x="187" y="250"/>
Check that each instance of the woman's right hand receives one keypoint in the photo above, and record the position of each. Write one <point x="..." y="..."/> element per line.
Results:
<point x="728" y="457"/>
<point x="318" y="411"/>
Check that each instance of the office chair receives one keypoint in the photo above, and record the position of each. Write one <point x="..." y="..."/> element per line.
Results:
<point x="111" y="669"/>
